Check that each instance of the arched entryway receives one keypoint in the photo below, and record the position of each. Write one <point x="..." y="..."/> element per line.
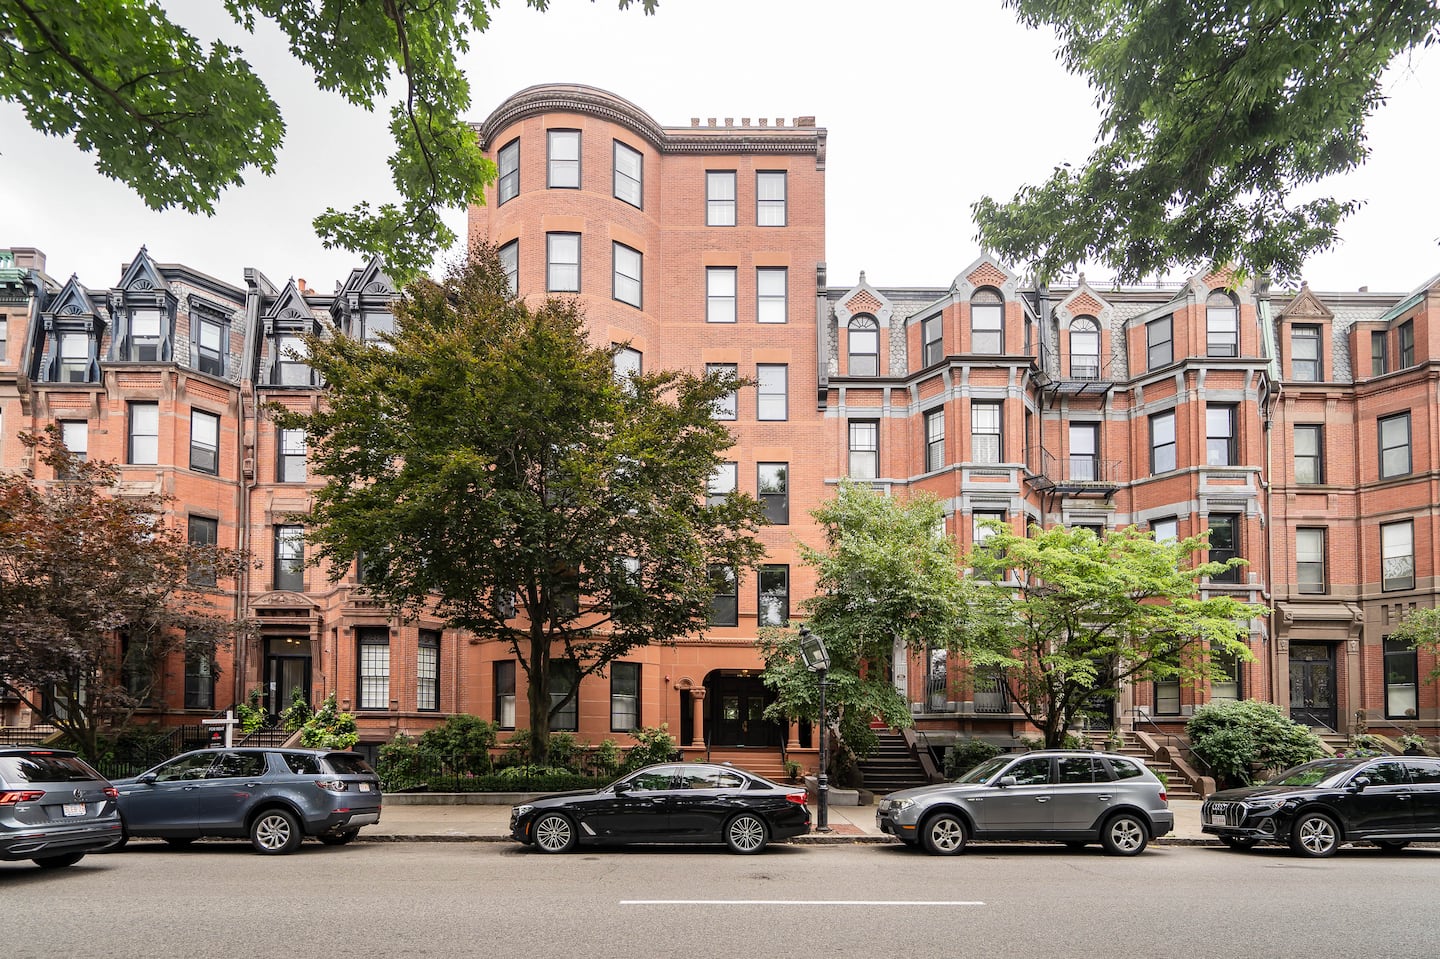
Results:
<point x="735" y="702"/>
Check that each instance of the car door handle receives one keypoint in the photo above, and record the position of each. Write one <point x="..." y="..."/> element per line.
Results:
<point x="189" y="789"/>
<point x="1042" y="798"/>
<point x="1103" y="798"/>
<point x="252" y="785"/>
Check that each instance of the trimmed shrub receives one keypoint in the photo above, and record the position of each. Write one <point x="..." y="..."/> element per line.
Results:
<point x="463" y="742"/>
<point x="1239" y="741"/>
<point x="652" y="745"/>
<point x="966" y="754"/>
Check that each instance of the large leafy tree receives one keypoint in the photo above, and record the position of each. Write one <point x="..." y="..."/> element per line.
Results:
<point x="885" y="575"/>
<point x="1218" y="119"/>
<point x="1073" y="616"/>
<point x="1420" y="630"/>
<point x="488" y="463"/>
<point x="179" y="123"/>
<point x="97" y="593"/>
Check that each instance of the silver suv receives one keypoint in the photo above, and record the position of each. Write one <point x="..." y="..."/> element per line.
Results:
<point x="53" y="807"/>
<point x="1057" y="795"/>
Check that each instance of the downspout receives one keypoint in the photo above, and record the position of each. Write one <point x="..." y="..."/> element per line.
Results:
<point x="822" y="326"/>
<point x="1267" y="338"/>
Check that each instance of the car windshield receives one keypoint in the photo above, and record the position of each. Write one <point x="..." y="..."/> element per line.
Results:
<point x="349" y="764"/>
<point x="986" y="771"/>
<point x="45" y="768"/>
<point x="1325" y="772"/>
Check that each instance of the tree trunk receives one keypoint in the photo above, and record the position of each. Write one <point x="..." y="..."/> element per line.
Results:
<point x="539" y="694"/>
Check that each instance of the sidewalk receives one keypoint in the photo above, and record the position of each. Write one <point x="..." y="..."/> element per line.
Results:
<point x="405" y="820"/>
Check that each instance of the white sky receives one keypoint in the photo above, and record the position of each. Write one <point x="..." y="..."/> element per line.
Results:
<point x="929" y="104"/>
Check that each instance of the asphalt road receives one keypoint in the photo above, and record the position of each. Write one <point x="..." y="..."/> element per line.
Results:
<point x="495" y="899"/>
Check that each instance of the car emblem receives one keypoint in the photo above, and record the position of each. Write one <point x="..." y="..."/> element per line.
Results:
<point x="79" y="794"/>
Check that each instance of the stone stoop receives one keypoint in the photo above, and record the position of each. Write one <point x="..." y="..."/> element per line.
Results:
<point x="1176" y="786"/>
<point x="891" y="766"/>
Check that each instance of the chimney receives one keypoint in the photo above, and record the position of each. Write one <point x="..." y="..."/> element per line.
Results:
<point x="28" y="258"/>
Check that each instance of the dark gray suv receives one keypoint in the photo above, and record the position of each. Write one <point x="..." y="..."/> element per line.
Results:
<point x="1059" y="795"/>
<point x="275" y="797"/>
<point x="53" y="807"/>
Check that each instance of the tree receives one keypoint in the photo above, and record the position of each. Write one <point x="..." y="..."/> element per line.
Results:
<point x="1235" y="740"/>
<point x="1073" y="616"/>
<point x="179" y="124"/>
<point x="97" y="592"/>
<point x="489" y="465"/>
<point x="885" y="577"/>
<point x="1420" y="630"/>
<point x="1218" y="117"/>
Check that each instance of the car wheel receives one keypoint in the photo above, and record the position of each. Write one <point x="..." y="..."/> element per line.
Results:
<point x="1316" y="835"/>
<point x="1239" y="843"/>
<point x="554" y="833"/>
<point x="746" y="834"/>
<point x="59" y="862"/>
<point x="178" y="842"/>
<point x="943" y="834"/>
<point x="909" y="843"/>
<point x="1392" y="845"/>
<point x="339" y="838"/>
<point x="1124" y="835"/>
<point x="275" y="832"/>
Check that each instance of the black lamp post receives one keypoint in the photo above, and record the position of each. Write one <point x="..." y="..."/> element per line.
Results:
<point x="817" y="660"/>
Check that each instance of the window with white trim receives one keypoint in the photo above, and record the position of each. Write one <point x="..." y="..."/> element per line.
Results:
<point x="1222" y="325"/>
<point x="864" y="342"/>
<point x="934" y="440"/>
<point x="562" y="262"/>
<point x="1162" y="442"/>
<point x="144" y="443"/>
<point x="864" y="449"/>
<point x="1310" y="559"/>
<point x="985" y="436"/>
<point x="427" y="671"/>
<point x="1397" y="555"/>
<point x="720" y="294"/>
<point x="987" y="322"/>
<point x="374" y="667"/>
<point x="290" y="467"/>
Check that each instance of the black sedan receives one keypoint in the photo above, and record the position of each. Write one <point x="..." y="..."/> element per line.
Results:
<point x="673" y="802"/>
<point x="1316" y="807"/>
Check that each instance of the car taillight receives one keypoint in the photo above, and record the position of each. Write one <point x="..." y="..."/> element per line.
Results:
<point x="1162" y="796"/>
<point x="19" y="796"/>
<point x="332" y="785"/>
<point x="797" y="797"/>
<point x="111" y="792"/>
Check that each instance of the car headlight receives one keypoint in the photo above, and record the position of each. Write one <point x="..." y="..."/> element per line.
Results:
<point x="1263" y="806"/>
<point x="519" y="811"/>
<point x="895" y="805"/>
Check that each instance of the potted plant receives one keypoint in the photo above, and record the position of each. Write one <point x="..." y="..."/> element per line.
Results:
<point x="792" y="771"/>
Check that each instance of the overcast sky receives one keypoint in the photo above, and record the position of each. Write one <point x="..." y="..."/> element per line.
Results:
<point x="928" y="104"/>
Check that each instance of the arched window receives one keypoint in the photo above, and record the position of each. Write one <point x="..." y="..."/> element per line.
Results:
<point x="1222" y="325"/>
<point x="1085" y="349"/>
<point x="864" y="346"/>
<point x="987" y="322"/>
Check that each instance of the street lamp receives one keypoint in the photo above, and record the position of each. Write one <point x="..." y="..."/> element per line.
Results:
<point x="817" y="660"/>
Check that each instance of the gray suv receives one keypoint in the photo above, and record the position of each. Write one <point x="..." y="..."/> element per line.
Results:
<point x="53" y="807"/>
<point x="274" y="797"/>
<point x="1057" y="795"/>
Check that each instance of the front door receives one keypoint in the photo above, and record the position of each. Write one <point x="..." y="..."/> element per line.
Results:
<point x="737" y="712"/>
<point x="1312" y="684"/>
<point x="287" y="668"/>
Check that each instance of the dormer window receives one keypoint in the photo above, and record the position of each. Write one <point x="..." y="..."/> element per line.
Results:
<point x="291" y="366"/>
<point x="210" y="346"/>
<point x="1085" y="349"/>
<point x="864" y="346"/>
<point x="378" y="324"/>
<point x="74" y="358"/>
<point x="1222" y="325"/>
<point x="143" y="344"/>
<point x="987" y="322"/>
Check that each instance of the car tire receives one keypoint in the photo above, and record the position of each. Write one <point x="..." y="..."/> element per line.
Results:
<point x="179" y="842"/>
<point x="943" y="834"/>
<point x="1239" y="843"/>
<point x="58" y="862"/>
<point x="275" y="832"/>
<point x="1392" y="845"/>
<point x="554" y="833"/>
<point x="1124" y="835"/>
<point x="1314" y="835"/>
<point x="746" y="834"/>
<point x="339" y="838"/>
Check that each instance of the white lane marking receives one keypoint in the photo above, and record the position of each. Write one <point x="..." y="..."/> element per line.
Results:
<point x="798" y="902"/>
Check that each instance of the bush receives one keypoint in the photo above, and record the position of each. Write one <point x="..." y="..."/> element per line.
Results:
<point x="401" y="766"/>
<point x="250" y="713"/>
<point x="517" y="748"/>
<point x="298" y="713"/>
<point x="564" y="752"/>
<point x="329" y="728"/>
<point x="1237" y="741"/>
<point x="605" y="759"/>
<point x="966" y="754"/>
<point x="463" y="743"/>
<point x="652" y="745"/>
<point x="1071" y="741"/>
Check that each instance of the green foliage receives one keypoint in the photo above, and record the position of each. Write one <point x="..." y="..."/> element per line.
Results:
<point x="250" y="713"/>
<point x="1068" y="741"/>
<point x="1364" y="746"/>
<point x="329" y="728"/>
<point x="401" y="765"/>
<point x="1412" y="743"/>
<point x="653" y="744"/>
<point x="517" y="748"/>
<point x="966" y="754"/>
<point x="1238" y="740"/>
<point x="463" y="742"/>
<point x="565" y="751"/>
<point x="1218" y="120"/>
<point x="298" y="713"/>
<point x="1420" y="629"/>
<point x="605" y="760"/>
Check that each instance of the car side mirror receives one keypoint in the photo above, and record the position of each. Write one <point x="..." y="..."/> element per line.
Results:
<point x="621" y="788"/>
<point x="1007" y="781"/>
<point x="1359" y="783"/>
<point x="147" y="779"/>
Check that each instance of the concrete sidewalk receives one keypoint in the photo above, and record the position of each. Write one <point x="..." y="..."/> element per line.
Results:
<point x="438" y="818"/>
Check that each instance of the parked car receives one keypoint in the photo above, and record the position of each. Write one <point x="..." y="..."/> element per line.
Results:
<point x="53" y="807"/>
<point x="275" y="797"/>
<point x="1317" y="807"/>
<point x="1067" y="796"/>
<point x="667" y="803"/>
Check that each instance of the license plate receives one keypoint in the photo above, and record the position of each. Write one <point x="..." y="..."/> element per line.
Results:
<point x="1217" y="819"/>
<point x="364" y="787"/>
<point x="74" y="809"/>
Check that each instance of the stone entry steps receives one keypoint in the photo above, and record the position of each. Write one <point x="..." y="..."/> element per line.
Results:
<point x="891" y="766"/>
<point x="1176" y="786"/>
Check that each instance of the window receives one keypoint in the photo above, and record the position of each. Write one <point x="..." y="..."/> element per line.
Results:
<point x="564" y="677"/>
<point x="508" y="160"/>
<point x="505" y="694"/>
<point x="204" y="442"/>
<point x="291" y="361"/>
<point x="1225" y="545"/>
<point x="1394" y="445"/>
<point x="773" y="485"/>
<point x="1401" y="672"/>
<point x="770" y="198"/>
<point x="563" y="159"/>
<point x="1225" y="688"/>
<point x="771" y="292"/>
<point x="772" y="392"/>
<point x="629" y="174"/>
<point x="722" y="483"/>
<point x="720" y="294"/>
<point x="1406" y="335"/>
<point x="625" y="285"/>
<point x="291" y="465"/>
<point x="627" y="362"/>
<point x="985" y="438"/>
<point x="727" y="406"/>
<point x="510" y="263"/>
<point x="1379" y="353"/>
<point x="720" y="198"/>
<point x="987" y="322"/>
<point x="199" y="682"/>
<point x="144" y="434"/>
<point x="934" y="440"/>
<point x="75" y="434"/>
<point x="864" y="449"/>
<point x="1162" y="442"/>
<point x="144" y="342"/>
<point x="979" y="530"/>
<point x="864" y="346"/>
<point x="427" y="671"/>
<point x="376" y="325"/>
<point x="1305" y="354"/>
<point x="201" y="531"/>
<point x="774" y="599"/>
<point x="1310" y="560"/>
<point x="1085" y="349"/>
<point x="1309" y="453"/>
<point x="1219" y="435"/>
<point x="289" y="558"/>
<point x="1166" y="530"/>
<point x="374" y="670"/>
<point x="624" y="697"/>
<point x="1222" y="326"/>
<point x="210" y="347"/>
<point x="1085" y="452"/>
<point x="562" y="262"/>
<point x="1397" y="555"/>
<point x="932" y="339"/>
<point x="1159" y="348"/>
<point x="74" y="357"/>
<point x="4" y="337"/>
<point x="725" y="596"/>
<point x="1167" y="697"/>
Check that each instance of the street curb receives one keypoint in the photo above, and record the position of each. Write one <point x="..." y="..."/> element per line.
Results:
<point x="797" y="841"/>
